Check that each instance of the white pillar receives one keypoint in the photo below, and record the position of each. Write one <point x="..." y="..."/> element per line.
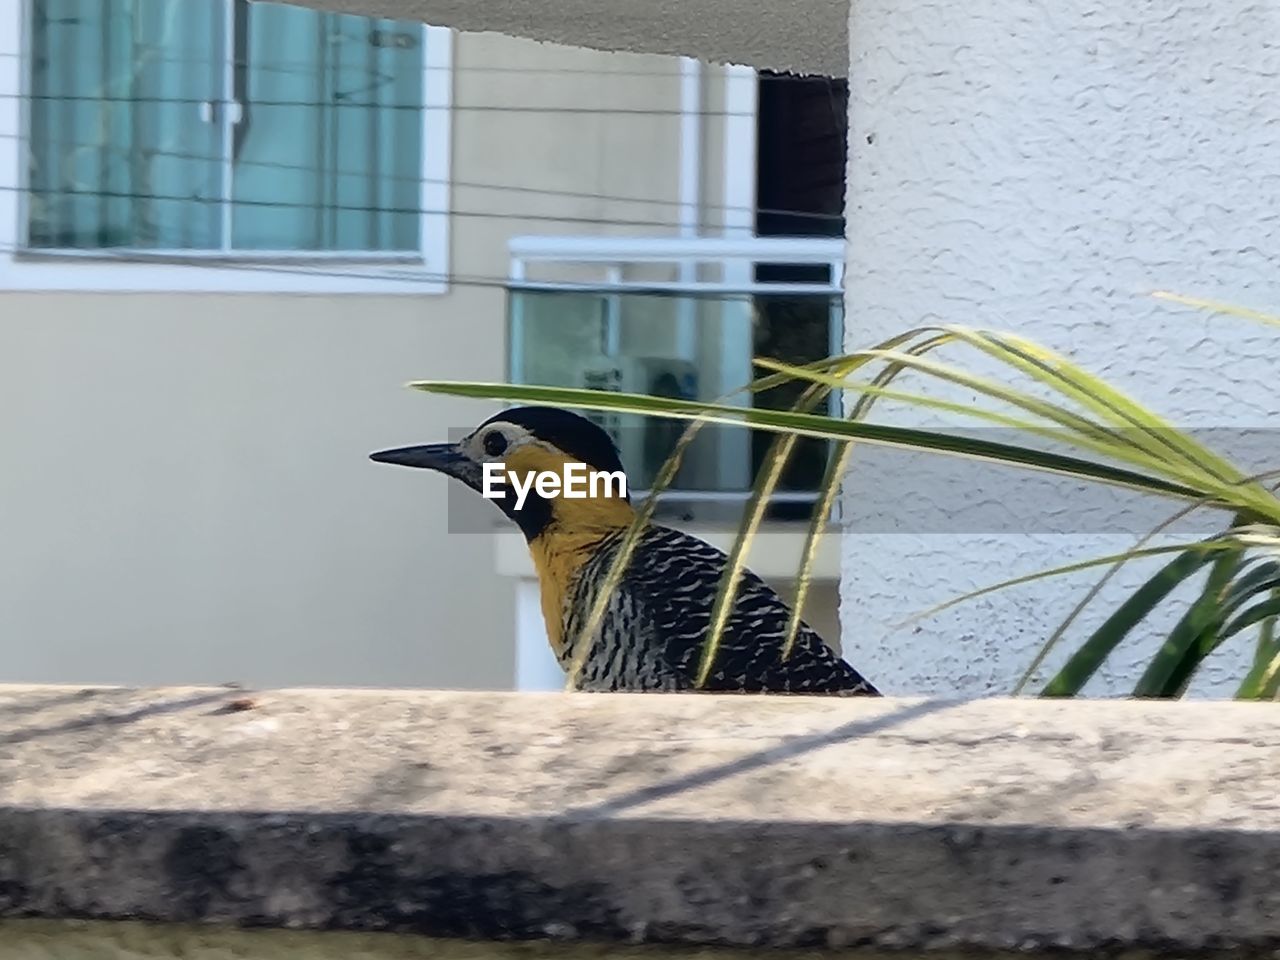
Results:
<point x="739" y="199"/>
<point x="1042" y="168"/>
<point x="536" y="666"/>
<point x="691" y="153"/>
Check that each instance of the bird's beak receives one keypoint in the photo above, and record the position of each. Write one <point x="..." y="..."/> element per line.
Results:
<point x="446" y="458"/>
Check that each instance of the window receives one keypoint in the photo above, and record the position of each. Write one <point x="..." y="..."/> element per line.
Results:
<point x="221" y="145"/>
<point x="686" y="316"/>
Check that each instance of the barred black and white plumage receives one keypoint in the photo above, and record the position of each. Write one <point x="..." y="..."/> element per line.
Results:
<point x="657" y="620"/>
<point x="654" y="630"/>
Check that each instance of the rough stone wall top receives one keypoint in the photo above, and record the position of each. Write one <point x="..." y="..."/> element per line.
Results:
<point x="804" y="36"/>
<point x="695" y="819"/>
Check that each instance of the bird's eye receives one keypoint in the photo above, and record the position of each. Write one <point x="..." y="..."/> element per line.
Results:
<point x="495" y="444"/>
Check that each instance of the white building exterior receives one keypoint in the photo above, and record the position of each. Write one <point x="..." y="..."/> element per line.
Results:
<point x="187" y="411"/>
<point x="1028" y="166"/>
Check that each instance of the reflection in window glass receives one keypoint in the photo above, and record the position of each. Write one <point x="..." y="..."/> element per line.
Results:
<point x="631" y="342"/>
<point x="223" y="125"/>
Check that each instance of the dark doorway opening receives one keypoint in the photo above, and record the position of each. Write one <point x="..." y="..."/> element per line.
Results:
<point x="802" y="134"/>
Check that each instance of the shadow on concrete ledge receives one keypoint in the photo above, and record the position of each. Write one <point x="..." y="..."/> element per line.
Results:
<point x="733" y="821"/>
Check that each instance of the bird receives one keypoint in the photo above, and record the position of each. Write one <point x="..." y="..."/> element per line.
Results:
<point x="657" y="618"/>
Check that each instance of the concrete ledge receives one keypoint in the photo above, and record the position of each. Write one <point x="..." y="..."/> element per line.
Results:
<point x="806" y="36"/>
<point x="684" y="819"/>
<point x="116" y="940"/>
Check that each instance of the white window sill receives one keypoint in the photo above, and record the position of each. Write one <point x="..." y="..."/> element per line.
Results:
<point x="104" y="273"/>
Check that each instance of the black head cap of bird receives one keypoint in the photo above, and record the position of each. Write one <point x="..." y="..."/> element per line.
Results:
<point x="525" y="441"/>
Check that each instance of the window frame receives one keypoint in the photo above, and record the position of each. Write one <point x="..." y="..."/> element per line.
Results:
<point x="320" y="272"/>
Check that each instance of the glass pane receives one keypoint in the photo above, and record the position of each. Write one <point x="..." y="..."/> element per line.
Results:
<point x="120" y="154"/>
<point x="631" y="342"/>
<point x="568" y="339"/>
<point x="328" y="154"/>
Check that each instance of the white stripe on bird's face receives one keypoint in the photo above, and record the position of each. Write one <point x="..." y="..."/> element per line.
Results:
<point x="494" y="442"/>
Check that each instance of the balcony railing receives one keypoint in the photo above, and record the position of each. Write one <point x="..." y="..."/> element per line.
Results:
<point x="680" y="317"/>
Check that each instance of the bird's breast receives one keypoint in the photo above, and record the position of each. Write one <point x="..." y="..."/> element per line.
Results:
<point x="558" y="560"/>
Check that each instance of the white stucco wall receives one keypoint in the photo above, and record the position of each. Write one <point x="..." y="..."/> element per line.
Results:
<point x="1042" y="167"/>
<point x="1034" y="166"/>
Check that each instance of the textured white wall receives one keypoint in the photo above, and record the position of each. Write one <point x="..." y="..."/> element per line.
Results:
<point x="1042" y="167"/>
